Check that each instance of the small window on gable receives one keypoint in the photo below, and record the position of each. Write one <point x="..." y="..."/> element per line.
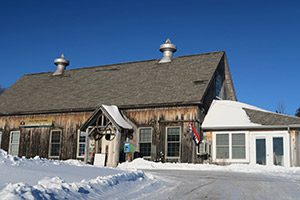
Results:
<point x="14" y="143"/>
<point x="218" y="85"/>
<point x="55" y="143"/>
<point x="81" y="144"/>
<point x="145" y="141"/>
<point x="0" y="138"/>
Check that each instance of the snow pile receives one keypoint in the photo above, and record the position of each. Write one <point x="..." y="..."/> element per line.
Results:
<point x="140" y="163"/>
<point x="39" y="178"/>
<point x="16" y="161"/>
<point x="57" y="188"/>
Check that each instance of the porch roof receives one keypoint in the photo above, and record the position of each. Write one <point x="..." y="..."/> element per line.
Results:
<point x="110" y="111"/>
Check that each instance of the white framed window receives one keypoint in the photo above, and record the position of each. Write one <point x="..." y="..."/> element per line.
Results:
<point x="14" y="142"/>
<point x="145" y="141"/>
<point x="55" y="143"/>
<point x="238" y="145"/>
<point x="222" y="146"/>
<point x="81" y="144"/>
<point x="230" y="146"/>
<point x="173" y="138"/>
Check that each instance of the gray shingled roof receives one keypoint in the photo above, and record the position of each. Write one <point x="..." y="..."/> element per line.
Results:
<point x="272" y="119"/>
<point x="182" y="81"/>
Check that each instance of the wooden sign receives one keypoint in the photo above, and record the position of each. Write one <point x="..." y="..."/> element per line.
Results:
<point x="36" y="123"/>
<point x="99" y="159"/>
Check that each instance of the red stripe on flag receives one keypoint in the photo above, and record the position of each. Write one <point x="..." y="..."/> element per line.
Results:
<point x="196" y="134"/>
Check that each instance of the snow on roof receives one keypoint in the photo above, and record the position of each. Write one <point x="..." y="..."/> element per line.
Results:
<point x="114" y="112"/>
<point x="226" y="113"/>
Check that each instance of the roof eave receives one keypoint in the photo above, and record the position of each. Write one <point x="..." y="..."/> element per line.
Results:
<point x="91" y="109"/>
<point x="259" y="127"/>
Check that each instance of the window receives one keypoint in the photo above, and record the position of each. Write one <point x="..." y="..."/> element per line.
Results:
<point x="81" y="147"/>
<point x="218" y="82"/>
<point x="0" y="138"/>
<point x="222" y="146"/>
<point x="278" y="151"/>
<point x="55" y="137"/>
<point x="14" y="143"/>
<point x="145" y="140"/>
<point x="173" y="141"/>
<point x="230" y="146"/>
<point x="238" y="146"/>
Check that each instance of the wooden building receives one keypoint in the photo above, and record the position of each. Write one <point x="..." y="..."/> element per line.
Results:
<point x="241" y="133"/>
<point x="73" y="114"/>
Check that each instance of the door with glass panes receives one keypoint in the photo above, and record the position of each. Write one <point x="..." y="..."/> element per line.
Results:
<point x="269" y="150"/>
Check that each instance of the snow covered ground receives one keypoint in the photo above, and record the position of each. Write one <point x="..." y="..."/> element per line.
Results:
<point x="241" y="168"/>
<point x="39" y="178"/>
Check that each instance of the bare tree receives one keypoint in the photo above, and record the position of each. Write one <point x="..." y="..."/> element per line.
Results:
<point x="280" y="108"/>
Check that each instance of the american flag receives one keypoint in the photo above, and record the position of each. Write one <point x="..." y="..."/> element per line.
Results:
<point x="196" y="135"/>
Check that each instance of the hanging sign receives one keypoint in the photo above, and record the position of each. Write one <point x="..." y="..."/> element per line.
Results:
<point x="128" y="147"/>
<point x="36" y="123"/>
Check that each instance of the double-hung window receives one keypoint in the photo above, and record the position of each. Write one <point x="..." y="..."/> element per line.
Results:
<point x="55" y="142"/>
<point x="145" y="141"/>
<point x="230" y="146"/>
<point x="81" y="144"/>
<point x="173" y="141"/>
<point x="14" y="143"/>
<point x="222" y="146"/>
<point x="238" y="145"/>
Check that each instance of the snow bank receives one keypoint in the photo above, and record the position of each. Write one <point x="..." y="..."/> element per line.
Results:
<point x="56" y="188"/>
<point x="140" y="163"/>
<point x="39" y="178"/>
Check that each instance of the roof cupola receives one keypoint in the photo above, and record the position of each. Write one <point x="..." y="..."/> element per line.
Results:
<point x="167" y="49"/>
<point x="61" y="64"/>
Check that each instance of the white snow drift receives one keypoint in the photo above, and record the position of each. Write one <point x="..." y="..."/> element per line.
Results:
<point x="38" y="178"/>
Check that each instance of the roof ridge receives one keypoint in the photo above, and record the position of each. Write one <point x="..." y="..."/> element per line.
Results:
<point x="125" y="63"/>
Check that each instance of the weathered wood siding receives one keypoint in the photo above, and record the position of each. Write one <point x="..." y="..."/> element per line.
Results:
<point x="35" y="141"/>
<point x="161" y="118"/>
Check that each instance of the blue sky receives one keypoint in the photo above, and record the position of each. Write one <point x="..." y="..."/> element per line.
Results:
<point x="261" y="39"/>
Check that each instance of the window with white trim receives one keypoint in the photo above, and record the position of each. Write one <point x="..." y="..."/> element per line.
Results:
<point x="55" y="140"/>
<point x="81" y="144"/>
<point x="222" y="146"/>
<point x="14" y="142"/>
<point x="145" y="141"/>
<point x="173" y="141"/>
<point x="238" y="145"/>
<point x="231" y="146"/>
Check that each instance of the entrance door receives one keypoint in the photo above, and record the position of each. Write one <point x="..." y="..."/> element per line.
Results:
<point x="278" y="151"/>
<point x="261" y="151"/>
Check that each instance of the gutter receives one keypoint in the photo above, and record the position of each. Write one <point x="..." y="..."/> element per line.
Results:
<point x="222" y="128"/>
